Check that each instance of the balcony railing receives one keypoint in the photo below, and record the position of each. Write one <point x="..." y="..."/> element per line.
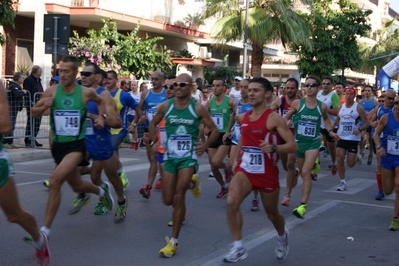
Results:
<point x="86" y="3"/>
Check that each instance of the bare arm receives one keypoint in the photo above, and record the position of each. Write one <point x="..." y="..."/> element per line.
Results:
<point x="93" y="96"/>
<point x="327" y="122"/>
<point x="44" y="103"/>
<point x="276" y="104"/>
<point x="160" y="113"/>
<point x="139" y="109"/>
<point x="363" y="117"/>
<point x="4" y="113"/>
<point x="113" y="119"/>
<point x="381" y="125"/>
<point x="206" y="118"/>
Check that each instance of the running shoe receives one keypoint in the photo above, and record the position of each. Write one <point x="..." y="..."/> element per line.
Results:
<point x="370" y="159"/>
<point x="223" y="192"/>
<point x="380" y="195"/>
<point x="80" y="200"/>
<point x="314" y="176"/>
<point x="46" y="183"/>
<point x="125" y="180"/>
<point x="211" y="174"/>
<point x="295" y="182"/>
<point x="394" y="225"/>
<point x="255" y="205"/>
<point x="7" y="146"/>
<point x="367" y="147"/>
<point x="359" y="159"/>
<point x="107" y="198"/>
<point x="196" y="189"/>
<point x="363" y="152"/>
<point x="228" y="175"/>
<point x="282" y="247"/>
<point x="43" y="256"/>
<point x="158" y="184"/>
<point x="169" y="250"/>
<point x="322" y="148"/>
<point x="29" y="240"/>
<point x="134" y="145"/>
<point x="334" y="169"/>
<point x="286" y="201"/>
<point x="120" y="213"/>
<point x="100" y="209"/>
<point x="236" y="254"/>
<point x="146" y="191"/>
<point x="326" y="153"/>
<point x="300" y="211"/>
<point x="170" y="224"/>
<point x="342" y="186"/>
<point x="316" y="166"/>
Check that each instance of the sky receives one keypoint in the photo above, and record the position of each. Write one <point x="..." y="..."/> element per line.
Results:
<point x="394" y="4"/>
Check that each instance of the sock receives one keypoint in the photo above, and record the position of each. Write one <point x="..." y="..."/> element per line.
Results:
<point x="225" y="186"/>
<point x="101" y="193"/>
<point x="40" y="243"/>
<point x="333" y="163"/>
<point x="282" y="238"/>
<point x="343" y="180"/>
<point x="303" y="203"/>
<point x="379" y="181"/>
<point x="255" y="197"/>
<point x="174" y="240"/>
<point x="120" y="171"/>
<point x="238" y="244"/>
<point x="123" y="202"/>
<point x="45" y="230"/>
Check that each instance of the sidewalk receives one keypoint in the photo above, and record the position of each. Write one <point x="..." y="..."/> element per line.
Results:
<point x="27" y="154"/>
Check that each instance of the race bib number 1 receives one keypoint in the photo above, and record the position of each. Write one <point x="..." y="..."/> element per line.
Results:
<point x="307" y="129"/>
<point x="67" y="123"/>
<point x="253" y="160"/>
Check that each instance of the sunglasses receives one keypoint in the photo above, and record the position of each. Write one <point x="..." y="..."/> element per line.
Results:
<point x="170" y="87"/>
<point x="86" y="73"/>
<point x="283" y="87"/>
<point x="312" y="85"/>
<point x="181" y="84"/>
<point x="381" y="101"/>
<point x="326" y="83"/>
<point x="396" y="103"/>
<point x="390" y="98"/>
<point x="237" y="80"/>
<point x="154" y="79"/>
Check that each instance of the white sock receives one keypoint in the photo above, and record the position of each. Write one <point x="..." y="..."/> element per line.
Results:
<point x="101" y="193"/>
<point x="120" y="171"/>
<point x="225" y="186"/>
<point x="281" y="238"/>
<point x="238" y="244"/>
<point x="343" y="180"/>
<point x="174" y="240"/>
<point x="45" y="230"/>
<point x="40" y="243"/>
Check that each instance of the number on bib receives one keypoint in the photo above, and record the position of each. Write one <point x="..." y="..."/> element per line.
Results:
<point x="89" y="127"/>
<point x="253" y="160"/>
<point x="67" y="123"/>
<point x="307" y="129"/>
<point x="179" y="146"/>
<point x="218" y="120"/>
<point x="347" y="128"/>
<point x="393" y="145"/>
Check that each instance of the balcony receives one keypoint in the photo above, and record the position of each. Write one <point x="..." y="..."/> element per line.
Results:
<point x="85" y="3"/>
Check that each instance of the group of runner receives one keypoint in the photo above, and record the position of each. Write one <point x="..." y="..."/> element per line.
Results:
<point x="89" y="122"/>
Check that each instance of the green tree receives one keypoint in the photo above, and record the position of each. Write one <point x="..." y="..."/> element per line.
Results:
<point x="127" y="54"/>
<point x="268" y="21"/>
<point x="334" y="37"/>
<point x="8" y="12"/>
<point x="384" y="50"/>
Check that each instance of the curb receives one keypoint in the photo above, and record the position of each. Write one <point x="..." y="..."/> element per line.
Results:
<point x="24" y="155"/>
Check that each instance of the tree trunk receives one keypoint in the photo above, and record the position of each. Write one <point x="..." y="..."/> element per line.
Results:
<point x="256" y="60"/>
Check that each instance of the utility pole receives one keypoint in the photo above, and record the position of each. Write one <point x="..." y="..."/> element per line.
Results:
<point x="245" y="61"/>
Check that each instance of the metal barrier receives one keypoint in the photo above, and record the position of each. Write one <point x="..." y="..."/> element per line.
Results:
<point x="42" y="126"/>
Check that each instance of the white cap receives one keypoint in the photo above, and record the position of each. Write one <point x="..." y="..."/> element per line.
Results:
<point x="239" y="78"/>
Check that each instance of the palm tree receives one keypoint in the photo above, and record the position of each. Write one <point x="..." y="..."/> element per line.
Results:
<point x="386" y="48"/>
<point x="268" y="21"/>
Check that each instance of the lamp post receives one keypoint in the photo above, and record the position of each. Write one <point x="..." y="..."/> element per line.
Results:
<point x="244" y="70"/>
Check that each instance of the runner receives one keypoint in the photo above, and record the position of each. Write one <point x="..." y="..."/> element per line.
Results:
<point x="8" y="193"/>
<point x="258" y="146"/>
<point x="388" y="150"/>
<point x="149" y="101"/>
<point x="308" y="115"/>
<point x="182" y="115"/>
<point x="349" y="133"/>
<point x="67" y="102"/>
<point x="136" y="94"/>
<point x="220" y="107"/>
<point x="235" y="91"/>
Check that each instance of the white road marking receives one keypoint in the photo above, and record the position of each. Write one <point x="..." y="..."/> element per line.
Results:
<point x="355" y="185"/>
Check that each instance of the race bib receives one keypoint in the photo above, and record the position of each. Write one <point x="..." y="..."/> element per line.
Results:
<point x="89" y="127"/>
<point x="162" y="134"/>
<point x="253" y="160"/>
<point x="67" y="123"/>
<point x="393" y="145"/>
<point x="218" y="120"/>
<point x="150" y="114"/>
<point x="307" y="129"/>
<point x="179" y="146"/>
<point x="237" y="131"/>
<point x="347" y="128"/>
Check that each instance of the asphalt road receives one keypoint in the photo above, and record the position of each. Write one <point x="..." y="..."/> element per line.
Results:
<point x="319" y="239"/>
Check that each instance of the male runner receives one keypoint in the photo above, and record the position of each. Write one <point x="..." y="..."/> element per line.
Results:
<point x="182" y="115"/>
<point x="388" y="150"/>
<point x="235" y="91"/>
<point x="8" y="193"/>
<point x="220" y="107"/>
<point x="67" y="102"/>
<point x="308" y="115"/>
<point x="256" y="167"/>
<point x="136" y="94"/>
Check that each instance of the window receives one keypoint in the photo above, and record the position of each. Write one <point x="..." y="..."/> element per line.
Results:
<point x="24" y="58"/>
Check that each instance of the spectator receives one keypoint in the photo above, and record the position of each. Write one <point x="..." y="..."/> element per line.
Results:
<point x="15" y="103"/>
<point x="123" y="85"/>
<point x="33" y="84"/>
